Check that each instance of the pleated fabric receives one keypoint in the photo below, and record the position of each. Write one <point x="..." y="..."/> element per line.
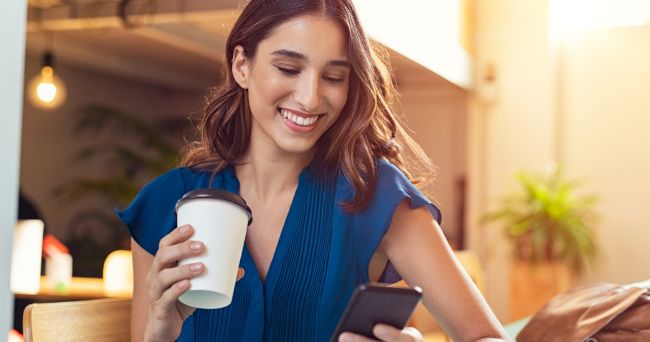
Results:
<point x="296" y="288"/>
<point x="322" y="254"/>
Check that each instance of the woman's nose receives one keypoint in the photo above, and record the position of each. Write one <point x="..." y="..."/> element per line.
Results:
<point x="308" y="94"/>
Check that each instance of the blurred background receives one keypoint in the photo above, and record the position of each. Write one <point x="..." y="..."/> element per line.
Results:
<point x="535" y="113"/>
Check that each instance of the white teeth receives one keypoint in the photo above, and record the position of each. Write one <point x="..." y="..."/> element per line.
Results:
<point x="299" y="120"/>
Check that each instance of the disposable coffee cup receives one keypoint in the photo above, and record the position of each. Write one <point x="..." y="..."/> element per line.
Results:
<point x="220" y="220"/>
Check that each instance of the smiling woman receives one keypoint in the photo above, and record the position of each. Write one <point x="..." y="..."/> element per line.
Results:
<point x="295" y="96"/>
<point x="335" y="65"/>
<point x="304" y="130"/>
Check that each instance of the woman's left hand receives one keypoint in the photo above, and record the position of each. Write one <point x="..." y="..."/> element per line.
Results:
<point x="385" y="333"/>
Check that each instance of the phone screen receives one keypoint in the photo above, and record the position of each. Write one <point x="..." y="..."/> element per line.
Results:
<point x="374" y="303"/>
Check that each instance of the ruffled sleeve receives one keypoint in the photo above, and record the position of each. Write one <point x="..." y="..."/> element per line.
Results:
<point x="151" y="215"/>
<point x="373" y="222"/>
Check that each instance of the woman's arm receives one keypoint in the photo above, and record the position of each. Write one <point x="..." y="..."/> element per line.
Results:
<point x="139" y="303"/>
<point x="417" y="248"/>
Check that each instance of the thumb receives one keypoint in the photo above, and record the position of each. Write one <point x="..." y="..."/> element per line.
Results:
<point x="240" y="273"/>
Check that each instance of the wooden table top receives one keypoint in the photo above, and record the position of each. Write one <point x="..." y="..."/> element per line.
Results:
<point x="79" y="288"/>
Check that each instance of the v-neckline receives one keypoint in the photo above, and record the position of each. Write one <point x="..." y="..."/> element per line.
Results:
<point x="284" y="239"/>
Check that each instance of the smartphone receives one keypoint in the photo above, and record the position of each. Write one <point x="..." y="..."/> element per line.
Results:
<point x="374" y="303"/>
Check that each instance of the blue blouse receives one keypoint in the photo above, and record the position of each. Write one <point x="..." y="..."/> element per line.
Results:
<point x="322" y="254"/>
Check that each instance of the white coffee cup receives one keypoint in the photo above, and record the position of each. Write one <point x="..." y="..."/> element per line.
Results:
<point x="220" y="220"/>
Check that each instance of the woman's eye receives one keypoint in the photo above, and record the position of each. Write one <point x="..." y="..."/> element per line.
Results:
<point x="288" y="71"/>
<point x="333" y="79"/>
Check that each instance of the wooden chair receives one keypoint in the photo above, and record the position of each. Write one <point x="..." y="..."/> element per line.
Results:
<point x="98" y="320"/>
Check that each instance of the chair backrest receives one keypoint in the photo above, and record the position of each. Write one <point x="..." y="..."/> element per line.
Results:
<point x="99" y="320"/>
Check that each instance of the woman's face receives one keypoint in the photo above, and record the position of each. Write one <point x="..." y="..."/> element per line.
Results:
<point x="297" y="82"/>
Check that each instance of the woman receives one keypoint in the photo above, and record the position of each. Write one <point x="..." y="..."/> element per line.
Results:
<point x="303" y="130"/>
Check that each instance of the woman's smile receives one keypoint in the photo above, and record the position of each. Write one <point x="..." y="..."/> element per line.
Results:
<point x="299" y="122"/>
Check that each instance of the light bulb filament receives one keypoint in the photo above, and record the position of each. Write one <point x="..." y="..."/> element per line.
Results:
<point x="46" y="91"/>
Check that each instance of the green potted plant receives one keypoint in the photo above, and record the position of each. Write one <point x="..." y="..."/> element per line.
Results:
<point x="551" y="229"/>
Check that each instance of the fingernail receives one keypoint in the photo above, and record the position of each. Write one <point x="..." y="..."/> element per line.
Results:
<point x="185" y="229"/>
<point x="380" y="331"/>
<point x="196" y="267"/>
<point x="183" y="284"/>
<point x="195" y="246"/>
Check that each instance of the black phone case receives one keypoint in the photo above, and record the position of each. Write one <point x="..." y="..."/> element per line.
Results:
<point x="375" y="303"/>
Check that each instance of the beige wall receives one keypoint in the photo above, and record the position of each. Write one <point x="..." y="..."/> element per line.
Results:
<point x="436" y="113"/>
<point x="607" y="141"/>
<point x="510" y="123"/>
<point x="588" y="109"/>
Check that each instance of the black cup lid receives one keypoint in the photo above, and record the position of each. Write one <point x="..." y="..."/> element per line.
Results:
<point x="217" y="194"/>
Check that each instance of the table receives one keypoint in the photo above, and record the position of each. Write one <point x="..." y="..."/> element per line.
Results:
<point x="80" y="288"/>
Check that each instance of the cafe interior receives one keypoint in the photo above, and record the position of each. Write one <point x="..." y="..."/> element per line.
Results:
<point x="535" y="114"/>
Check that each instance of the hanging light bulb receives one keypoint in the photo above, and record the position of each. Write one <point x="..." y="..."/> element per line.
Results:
<point x="46" y="90"/>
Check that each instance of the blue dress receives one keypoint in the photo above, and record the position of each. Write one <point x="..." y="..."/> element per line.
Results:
<point x="322" y="254"/>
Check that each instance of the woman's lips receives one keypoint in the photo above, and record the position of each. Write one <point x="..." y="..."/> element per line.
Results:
<point x="299" y="121"/>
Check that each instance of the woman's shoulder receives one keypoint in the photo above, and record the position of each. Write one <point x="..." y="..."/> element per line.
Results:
<point x="174" y="175"/>
<point x="183" y="172"/>
<point x="182" y="176"/>
<point x="388" y="176"/>
<point x="151" y="214"/>
<point x="392" y="186"/>
<point x="168" y="186"/>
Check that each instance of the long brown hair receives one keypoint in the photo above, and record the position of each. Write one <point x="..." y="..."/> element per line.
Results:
<point x="366" y="130"/>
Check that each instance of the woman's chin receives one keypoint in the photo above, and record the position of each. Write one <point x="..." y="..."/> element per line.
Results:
<point x="293" y="147"/>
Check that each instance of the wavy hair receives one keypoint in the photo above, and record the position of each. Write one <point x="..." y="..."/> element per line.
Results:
<point x="366" y="130"/>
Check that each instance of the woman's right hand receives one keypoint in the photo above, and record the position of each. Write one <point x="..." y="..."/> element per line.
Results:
<point x="167" y="281"/>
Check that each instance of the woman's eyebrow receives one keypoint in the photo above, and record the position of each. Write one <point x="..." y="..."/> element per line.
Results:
<point x="302" y="57"/>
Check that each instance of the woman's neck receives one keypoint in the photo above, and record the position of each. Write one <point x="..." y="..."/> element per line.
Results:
<point x="265" y="174"/>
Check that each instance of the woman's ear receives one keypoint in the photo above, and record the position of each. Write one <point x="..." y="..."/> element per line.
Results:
<point x="240" y="67"/>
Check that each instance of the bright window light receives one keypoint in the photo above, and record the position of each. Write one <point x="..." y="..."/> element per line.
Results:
<point x="427" y="32"/>
<point x="570" y="16"/>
